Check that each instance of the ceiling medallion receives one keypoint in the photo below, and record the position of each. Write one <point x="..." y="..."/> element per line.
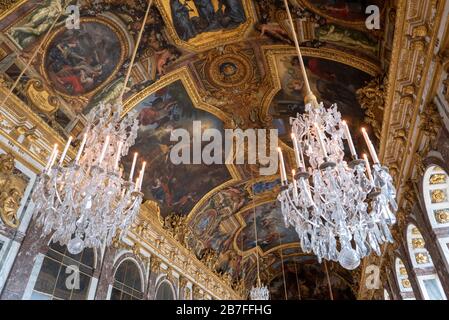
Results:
<point x="230" y="70"/>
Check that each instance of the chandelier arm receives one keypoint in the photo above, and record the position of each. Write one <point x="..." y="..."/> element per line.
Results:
<point x="133" y="57"/>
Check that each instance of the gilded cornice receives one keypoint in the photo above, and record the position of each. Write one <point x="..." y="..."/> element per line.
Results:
<point x="160" y="243"/>
<point x="410" y="89"/>
<point x="8" y="6"/>
<point x="26" y="130"/>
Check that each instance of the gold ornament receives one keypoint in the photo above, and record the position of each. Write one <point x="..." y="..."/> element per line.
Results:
<point x="12" y="188"/>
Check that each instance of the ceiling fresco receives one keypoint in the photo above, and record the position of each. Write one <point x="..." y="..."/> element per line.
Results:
<point x="228" y="63"/>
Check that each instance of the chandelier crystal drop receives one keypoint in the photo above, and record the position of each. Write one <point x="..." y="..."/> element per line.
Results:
<point x="341" y="212"/>
<point x="87" y="201"/>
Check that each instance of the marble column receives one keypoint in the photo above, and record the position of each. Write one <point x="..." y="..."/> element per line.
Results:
<point x="20" y="273"/>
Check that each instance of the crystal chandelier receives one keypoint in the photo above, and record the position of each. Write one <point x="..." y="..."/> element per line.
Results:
<point x="259" y="292"/>
<point x="86" y="202"/>
<point x="89" y="200"/>
<point x="341" y="211"/>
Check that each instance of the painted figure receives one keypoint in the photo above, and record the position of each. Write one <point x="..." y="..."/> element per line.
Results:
<point x="181" y="19"/>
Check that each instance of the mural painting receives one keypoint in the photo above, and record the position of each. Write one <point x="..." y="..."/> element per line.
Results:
<point x="176" y="188"/>
<point x="271" y="230"/>
<point x="194" y="17"/>
<point x="79" y="61"/>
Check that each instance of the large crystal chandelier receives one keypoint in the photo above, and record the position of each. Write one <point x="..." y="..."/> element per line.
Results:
<point x="86" y="202"/>
<point x="341" y="211"/>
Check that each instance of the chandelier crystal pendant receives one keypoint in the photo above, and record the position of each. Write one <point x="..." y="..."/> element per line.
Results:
<point x="89" y="200"/>
<point x="341" y="211"/>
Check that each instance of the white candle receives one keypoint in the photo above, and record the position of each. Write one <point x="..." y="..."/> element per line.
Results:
<point x="133" y="166"/>
<point x="282" y="170"/>
<point x="136" y="187"/>
<point x="117" y="158"/>
<point x="142" y="172"/>
<point x="54" y="159"/>
<point x="103" y="152"/>
<point x="368" y="168"/>
<point x="370" y="145"/>
<point x="296" y="149"/>
<point x="47" y="167"/>
<point x="80" y="150"/>
<point x="66" y="148"/>
<point x="295" y="187"/>
<point x="349" y="138"/>
<point x="321" y="140"/>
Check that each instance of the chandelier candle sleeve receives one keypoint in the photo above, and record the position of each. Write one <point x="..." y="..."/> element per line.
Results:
<point x="296" y="149"/>
<point x="142" y="172"/>
<point x="52" y="162"/>
<point x="368" y="168"/>
<point x="282" y="168"/>
<point x="295" y="187"/>
<point x="48" y="166"/>
<point x="321" y="140"/>
<point x="117" y="159"/>
<point x="80" y="151"/>
<point x="66" y="148"/>
<point x="133" y="167"/>
<point x="103" y="152"/>
<point x="349" y="139"/>
<point x="370" y="145"/>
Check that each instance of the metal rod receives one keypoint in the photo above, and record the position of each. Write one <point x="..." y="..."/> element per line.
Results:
<point x="328" y="281"/>
<point x="297" y="282"/>
<point x="310" y="96"/>
<point x="133" y="57"/>
<point x="283" y="269"/>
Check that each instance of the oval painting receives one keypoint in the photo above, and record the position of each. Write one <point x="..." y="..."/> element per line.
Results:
<point x="78" y="62"/>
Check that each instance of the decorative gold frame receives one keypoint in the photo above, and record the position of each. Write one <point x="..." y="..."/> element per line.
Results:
<point x="124" y="47"/>
<point x="221" y="37"/>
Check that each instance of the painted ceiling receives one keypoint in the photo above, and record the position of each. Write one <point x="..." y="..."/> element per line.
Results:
<point x="235" y="68"/>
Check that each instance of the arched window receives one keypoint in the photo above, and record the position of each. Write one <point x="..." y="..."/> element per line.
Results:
<point x="403" y="281"/>
<point x="128" y="283"/>
<point x="165" y="291"/>
<point x="436" y="198"/>
<point x="64" y="276"/>
<point x="428" y="280"/>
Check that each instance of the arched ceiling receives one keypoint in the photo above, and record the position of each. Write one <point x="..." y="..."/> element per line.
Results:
<point x="236" y="69"/>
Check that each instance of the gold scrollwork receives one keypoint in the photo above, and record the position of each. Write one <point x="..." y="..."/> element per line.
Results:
<point x="442" y="216"/>
<point x="422" y="258"/>
<point x="418" y="243"/>
<point x="40" y="97"/>
<point x="12" y="188"/>
<point x="438" y="196"/>
<point x="438" y="178"/>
